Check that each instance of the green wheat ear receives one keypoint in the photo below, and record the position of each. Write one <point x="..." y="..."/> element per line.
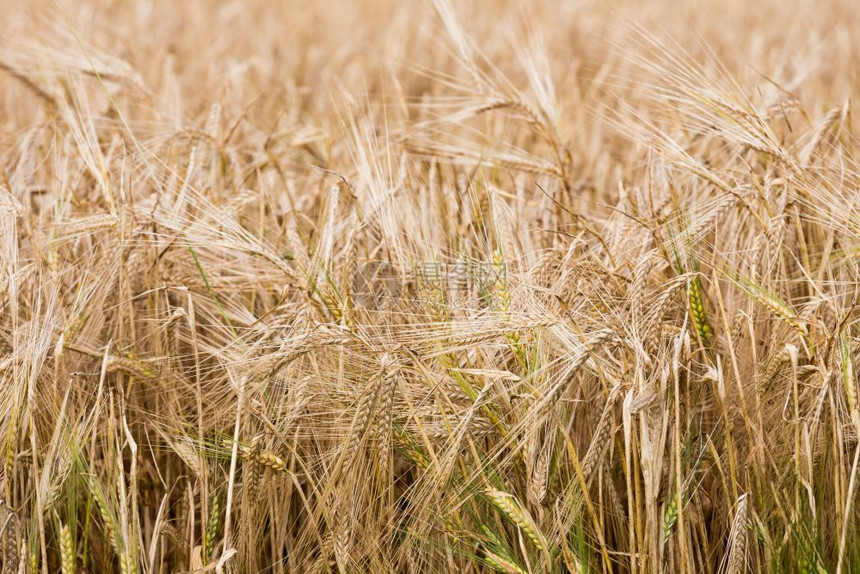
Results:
<point x="697" y="311"/>
<point x="670" y="517"/>
<point x="810" y="565"/>
<point x="848" y="377"/>
<point x="211" y="532"/>
<point x="501" y="563"/>
<point x="67" y="550"/>
<point x="685" y="262"/>
<point x="771" y="301"/>
<point x="511" y="508"/>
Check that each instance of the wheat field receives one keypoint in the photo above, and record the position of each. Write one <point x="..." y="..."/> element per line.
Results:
<point x="429" y="286"/>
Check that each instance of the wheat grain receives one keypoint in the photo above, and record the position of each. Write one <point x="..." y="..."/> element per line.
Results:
<point x="383" y="429"/>
<point x="737" y="559"/>
<point x="600" y="440"/>
<point x="67" y="550"/>
<point x="252" y="462"/>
